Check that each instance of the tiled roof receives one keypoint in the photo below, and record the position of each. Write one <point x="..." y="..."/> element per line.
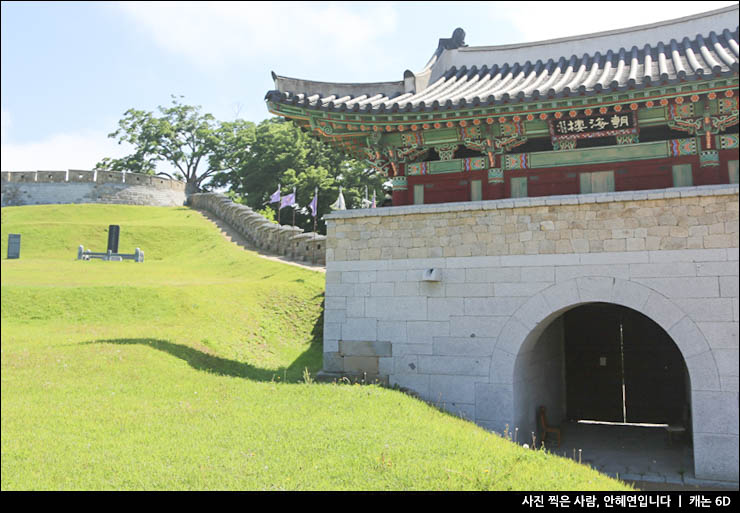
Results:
<point x="461" y="77"/>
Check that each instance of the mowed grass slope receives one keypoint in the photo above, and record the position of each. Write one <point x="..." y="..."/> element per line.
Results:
<point x="187" y="372"/>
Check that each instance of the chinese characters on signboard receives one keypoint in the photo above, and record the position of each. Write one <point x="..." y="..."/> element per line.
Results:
<point x="593" y="126"/>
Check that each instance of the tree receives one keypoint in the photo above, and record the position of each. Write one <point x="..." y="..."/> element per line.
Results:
<point x="281" y="153"/>
<point x="251" y="160"/>
<point x="256" y="172"/>
<point x="306" y="183"/>
<point x="195" y="144"/>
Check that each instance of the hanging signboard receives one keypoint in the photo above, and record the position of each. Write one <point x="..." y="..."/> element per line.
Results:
<point x="587" y="127"/>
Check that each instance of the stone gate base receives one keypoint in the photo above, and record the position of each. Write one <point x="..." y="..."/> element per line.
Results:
<point x="450" y="300"/>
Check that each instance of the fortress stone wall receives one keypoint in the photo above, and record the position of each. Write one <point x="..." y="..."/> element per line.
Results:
<point x="288" y="241"/>
<point x="463" y="303"/>
<point x="77" y="186"/>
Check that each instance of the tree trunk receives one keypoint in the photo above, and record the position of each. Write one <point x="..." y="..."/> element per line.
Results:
<point x="191" y="188"/>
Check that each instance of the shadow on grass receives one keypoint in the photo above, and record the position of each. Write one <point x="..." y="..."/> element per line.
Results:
<point x="200" y="360"/>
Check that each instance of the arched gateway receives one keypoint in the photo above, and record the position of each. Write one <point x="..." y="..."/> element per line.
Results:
<point x="534" y="374"/>
<point x="473" y="333"/>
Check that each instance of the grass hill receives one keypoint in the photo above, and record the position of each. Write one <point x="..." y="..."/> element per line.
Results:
<point x="188" y="371"/>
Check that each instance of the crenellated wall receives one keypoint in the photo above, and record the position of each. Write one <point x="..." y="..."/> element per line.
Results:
<point x="288" y="241"/>
<point x="78" y="186"/>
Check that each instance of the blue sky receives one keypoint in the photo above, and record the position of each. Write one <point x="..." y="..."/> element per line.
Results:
<point x="71" y="69"/>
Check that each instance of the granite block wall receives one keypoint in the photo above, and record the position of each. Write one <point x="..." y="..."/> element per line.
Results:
<point x="284" y="240"/>
<point x="77" y="186"/>
<point x="452" y="301"/>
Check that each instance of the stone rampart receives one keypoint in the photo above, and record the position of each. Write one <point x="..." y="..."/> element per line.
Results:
<point x="463" y="303"/>
<point x="590" y="223"/>
<point x="288" y="241"/>
<point x="78" y="186"/>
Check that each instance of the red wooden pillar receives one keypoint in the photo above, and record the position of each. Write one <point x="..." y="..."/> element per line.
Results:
<point x="400" y="186"/>
<point x="495" y="182"/>
<point x="495" y="191"/>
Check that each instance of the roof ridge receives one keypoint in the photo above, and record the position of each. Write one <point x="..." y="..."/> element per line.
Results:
<point x="689" y="51"/>
<point x="594" y="35"/>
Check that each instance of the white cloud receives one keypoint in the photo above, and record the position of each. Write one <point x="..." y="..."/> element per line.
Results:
<point x="5" y="124"/>
<point x="539" y="21"/>
<point x="62" y="151"/>
<point x="216" y="33"/>
<point x="58" y="152"/>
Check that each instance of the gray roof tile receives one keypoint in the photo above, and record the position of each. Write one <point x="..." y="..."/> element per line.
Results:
<point x="694" y="57"/>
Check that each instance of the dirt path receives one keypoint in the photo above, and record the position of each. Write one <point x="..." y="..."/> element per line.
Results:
<point x="232" y="235"/>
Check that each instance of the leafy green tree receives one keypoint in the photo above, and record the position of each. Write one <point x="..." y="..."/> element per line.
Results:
<point x="193" y="143"/>
<point x="252" y="161"/>
<point x="306" y="183"/>
<point x="255" y="172"/>
<point x="235" y="141"/>
<point x="138" y="128"/>
<point x="284" y="154"/>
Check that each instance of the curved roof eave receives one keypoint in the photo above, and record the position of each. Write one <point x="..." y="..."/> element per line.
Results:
<point x="325" y="89"/>
<point x="689" y="49"/>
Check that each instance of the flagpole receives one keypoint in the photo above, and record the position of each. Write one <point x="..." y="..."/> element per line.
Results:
<point x="293" y="207"/>
<point x="315" y="217"/>
<point x="279" y="203"/>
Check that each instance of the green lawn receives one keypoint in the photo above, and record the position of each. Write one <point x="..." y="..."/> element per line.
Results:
<point x="187" y="372"/>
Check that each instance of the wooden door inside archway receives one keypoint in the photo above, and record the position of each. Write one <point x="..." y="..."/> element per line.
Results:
<point x="622" y="367"/>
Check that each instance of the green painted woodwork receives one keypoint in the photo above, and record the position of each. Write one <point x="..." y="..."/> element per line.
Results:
<point x="445" y="166"/>
<point x="651" y="116"/>
<point x="627" y="139"/>
<point x="419" y="194"/>
<point x="554" y="105"/>
<point x="445" y="151"/>
<point x="600" y="155"/>
<point x="597" y="181"/>
<point x="700" y="108"/>
<point x="392" y="139"/>
<point x="291" y="110"/>
<point x="727" y="141"/>
<point x="518" y="186"/>
<point x="708" y="158"/>
<point x="443" y="135"/>
<point x="495" y="175"/>
<point x="399" y="183"/>
<point x="602" y="181"/>
<point x="682" y="175"/>
<point x="713" y="107"/>
<point x="476" y="190"/>
<point x="585" y="179"/>
<point x="732" y="168"/>
<point x="384" y="142"/>
<point x="537" y="128"/>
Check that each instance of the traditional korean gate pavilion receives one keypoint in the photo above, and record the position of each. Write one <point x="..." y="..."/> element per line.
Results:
<point x="538" y="188"/>
<point x="655" y="106"/>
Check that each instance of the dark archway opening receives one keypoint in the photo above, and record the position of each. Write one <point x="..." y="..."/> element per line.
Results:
<point x="614" y="382"/>
<point x="622" y="367"/>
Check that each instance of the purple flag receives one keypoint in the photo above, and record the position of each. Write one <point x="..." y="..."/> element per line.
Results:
<point x="314" y="205"/>
<point x="275" y="198"/>
<point x="288" y="200"/>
